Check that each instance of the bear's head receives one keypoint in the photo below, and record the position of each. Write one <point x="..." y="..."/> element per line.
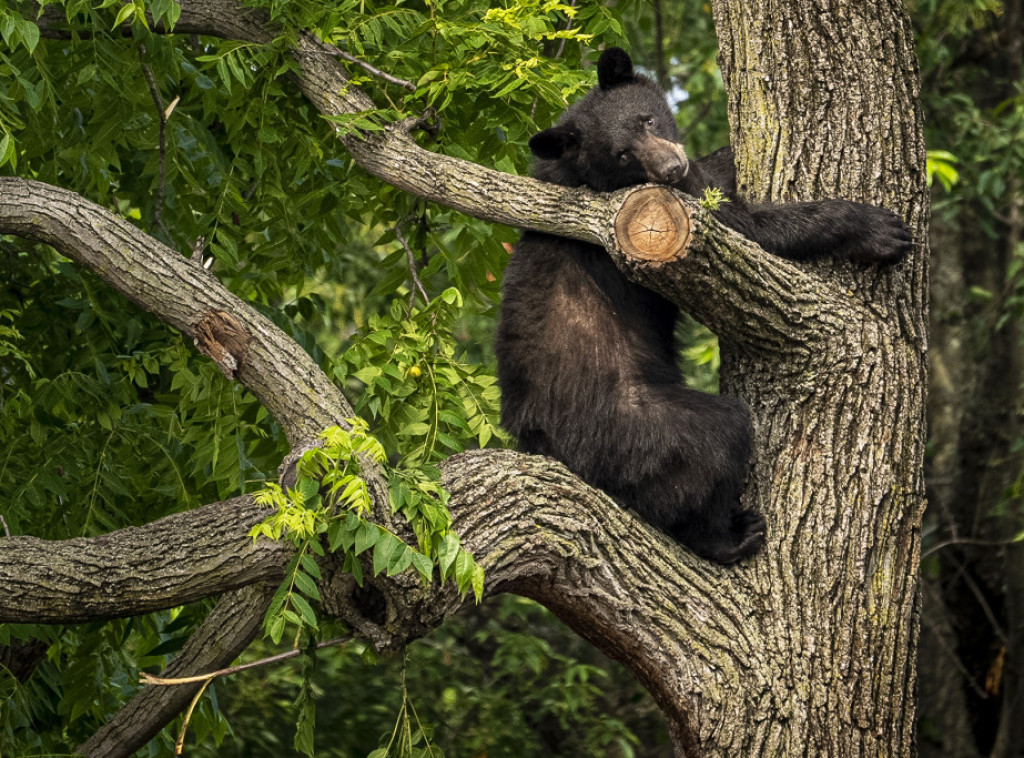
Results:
<point x="621" y="134"/>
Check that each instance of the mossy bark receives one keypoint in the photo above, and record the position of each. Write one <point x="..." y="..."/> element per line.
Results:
<point x="824" y="104"/>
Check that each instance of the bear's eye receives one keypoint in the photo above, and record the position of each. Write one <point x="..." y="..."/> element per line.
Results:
<point x="650" y="122"/>
<point x="624" y="157"/>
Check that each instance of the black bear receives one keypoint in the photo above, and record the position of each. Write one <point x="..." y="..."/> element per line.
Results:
<point x="587" y="360"/>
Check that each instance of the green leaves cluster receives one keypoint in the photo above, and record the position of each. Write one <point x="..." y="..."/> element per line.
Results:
<point x="966" y="107"/>
<point x="470" y="47"/>
<point x="424" y="398"/>
<point x="331" y="504"/>
<point x="713" y="198"/>
<point x="107" y="417"/>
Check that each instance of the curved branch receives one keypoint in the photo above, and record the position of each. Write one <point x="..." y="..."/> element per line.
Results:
<point x="226" y="632"/>
<point x="172" y="561"/>
<point x="540" y="532"/>
<point x="244" y="343"/>
<point x="731" y="284"/>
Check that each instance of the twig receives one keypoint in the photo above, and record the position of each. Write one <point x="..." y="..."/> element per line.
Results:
<point x="165" y="114"/>
<point x="207" y="679"/>
<point x="568" y="26"/>
<point x="179" y="744"/>
<point x="145" y="678"/>
<point x="965" y="541"/>
<point x="370" y="68"/>
<point x="7" y="531"/>
<point x="418" y="285"/>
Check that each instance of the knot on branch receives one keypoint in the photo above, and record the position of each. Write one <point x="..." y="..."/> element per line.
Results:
<point x="653" y="225"/>
<point x="222" y="337"/>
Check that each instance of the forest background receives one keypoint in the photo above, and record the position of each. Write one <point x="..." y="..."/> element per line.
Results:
<point x="99" y="400"/>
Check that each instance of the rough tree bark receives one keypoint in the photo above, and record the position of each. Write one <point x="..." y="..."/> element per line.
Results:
<point x="807" y="649"/>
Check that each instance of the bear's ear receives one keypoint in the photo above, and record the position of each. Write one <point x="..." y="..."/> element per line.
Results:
<point x="614" y="67"/>
<point x="551" y="144"/>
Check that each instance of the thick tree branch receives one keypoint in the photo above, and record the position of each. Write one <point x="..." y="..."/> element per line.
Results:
<point x="185" y="295"/>
<point x="536" y="528"/>
<point x="625" y="587"/>
<point x="172" y="561"/>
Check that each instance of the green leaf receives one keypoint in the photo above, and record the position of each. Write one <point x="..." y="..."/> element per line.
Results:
<point x="354" y="567"/>
<point x="383" y="550"/>
<point x="366" y="537"/>
<point x="7" y="153"/>
<point x="236" y="68"/>
<point x="29" y="34"/>
<point x="8" y="27"/>
<point x="276" y="629"/>
<point x="447" y="553"/>
<point x="306" y="585"/>
<point x="308" y="487"/>
<point x="309" y="564"/>
<point x="305" y="609"/>
<point x="478" y="582"/>
<point x="127" y="11"/>
<point x="400" y="560"/>
<point x="464" y="564"/>
<point x="424" y="566"/>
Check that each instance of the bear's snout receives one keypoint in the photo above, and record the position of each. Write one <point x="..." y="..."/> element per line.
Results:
<point x="665" y="162"/>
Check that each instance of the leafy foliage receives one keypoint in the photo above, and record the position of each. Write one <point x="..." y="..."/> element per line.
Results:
<point x="331" y="500"/>
<point x="425" y="400"/>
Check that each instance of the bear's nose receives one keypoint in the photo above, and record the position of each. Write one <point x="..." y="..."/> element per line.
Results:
<point x="672" y="172"/>
<point x="664" y="161"/>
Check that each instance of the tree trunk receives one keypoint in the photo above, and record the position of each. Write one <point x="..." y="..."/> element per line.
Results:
<point x="825" y="104"/>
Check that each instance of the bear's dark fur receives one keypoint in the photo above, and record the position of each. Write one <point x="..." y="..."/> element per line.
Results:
<point x="587" y="360"/>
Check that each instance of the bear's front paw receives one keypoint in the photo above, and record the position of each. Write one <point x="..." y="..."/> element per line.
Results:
<point x="884" y="238"/>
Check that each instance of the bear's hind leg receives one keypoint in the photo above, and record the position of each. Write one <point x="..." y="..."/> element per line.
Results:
<point x="748" y="527"/>
<point x="722" y="532"/>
